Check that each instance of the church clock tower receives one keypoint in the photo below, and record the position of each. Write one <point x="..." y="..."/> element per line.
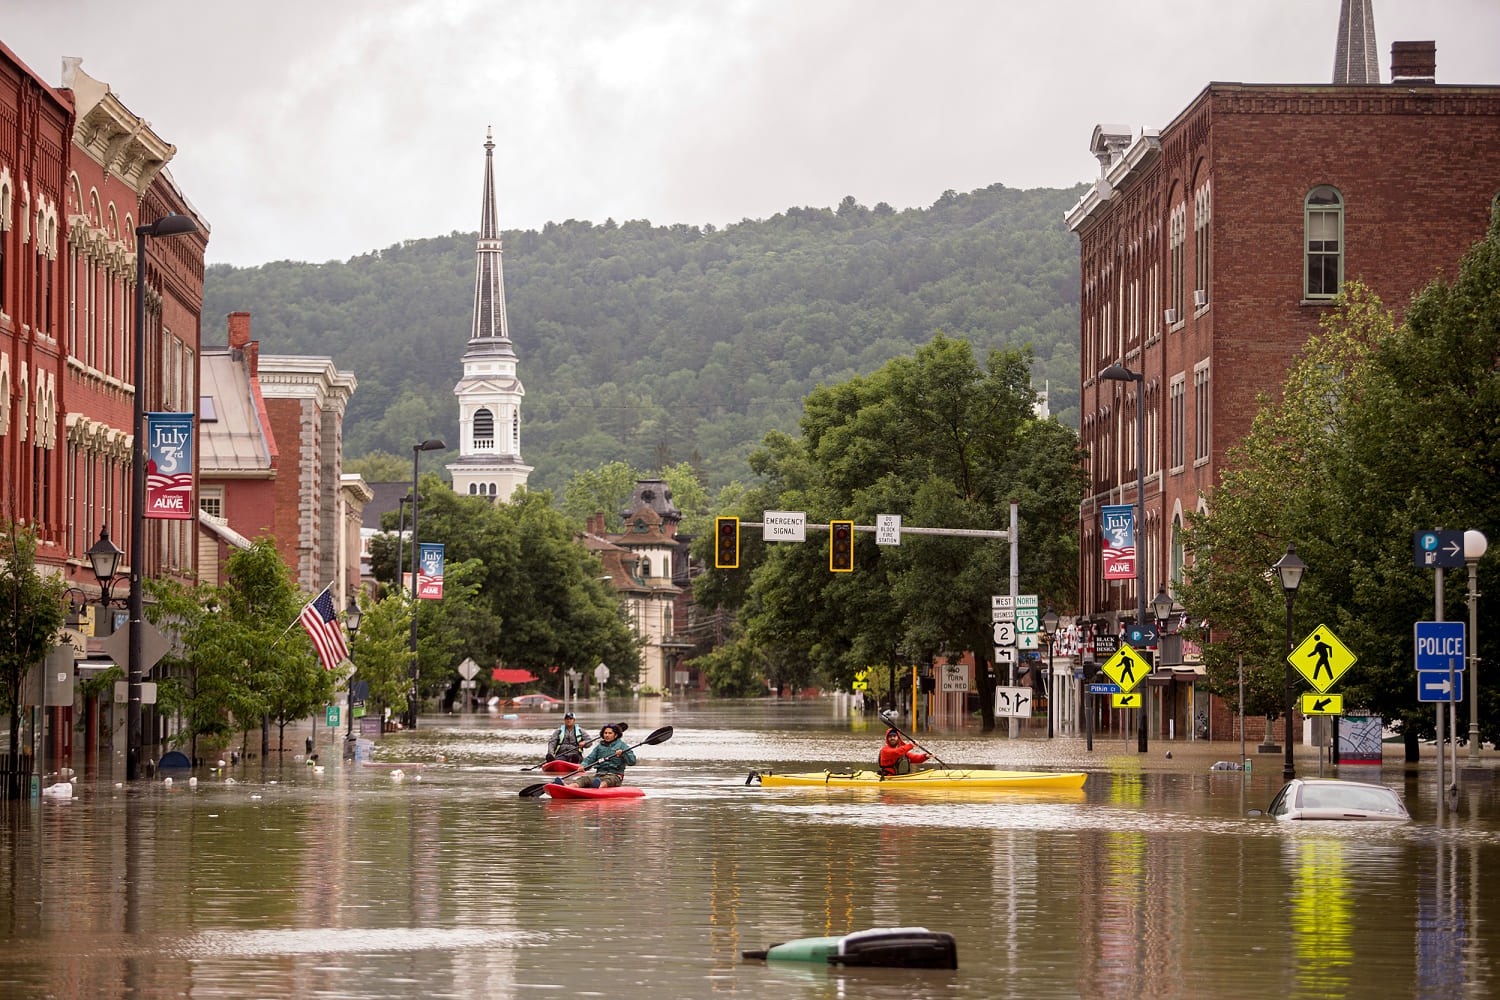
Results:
<point x="490" y="392"/>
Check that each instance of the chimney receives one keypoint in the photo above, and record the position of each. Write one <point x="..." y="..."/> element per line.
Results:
<point x="252" y="358"/>
<point x="239" y="329"/>
<point x="1414" y="62"/>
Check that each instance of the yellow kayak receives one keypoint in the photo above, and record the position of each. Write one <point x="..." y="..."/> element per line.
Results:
<point x="936" y="778"/>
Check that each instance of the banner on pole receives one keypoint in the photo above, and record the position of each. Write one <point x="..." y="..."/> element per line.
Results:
<point x="1119" y="542"/>
<point x="430" y="571"/>
<point x="169" y="466"/>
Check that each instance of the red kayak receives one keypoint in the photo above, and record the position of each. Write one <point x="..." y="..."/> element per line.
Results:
<point x="560" y="767"/>
<point x="574" y="792"/>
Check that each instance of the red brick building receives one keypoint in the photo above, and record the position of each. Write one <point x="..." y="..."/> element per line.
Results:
<point x="1211" y="249"/>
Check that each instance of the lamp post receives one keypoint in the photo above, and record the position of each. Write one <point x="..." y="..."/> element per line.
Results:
<point x="1475" y="546"/>
<point x="104" y="556"/>
<point x="1290" y="569"/>
<point x="169" y="225"/>
<point x="1161" y="610"/>
<point x="352" y="618"/>
<point x="431" y="444"/>
<point x="1049" y="625"/>
<point x="1119" y="373"/>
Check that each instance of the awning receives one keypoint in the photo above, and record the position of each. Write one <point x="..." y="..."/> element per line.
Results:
<point x="507" y="675"/>
<point x="221" y="527"/>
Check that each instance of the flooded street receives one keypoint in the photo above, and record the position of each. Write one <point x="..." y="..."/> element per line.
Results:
<point x="444" y="882"/>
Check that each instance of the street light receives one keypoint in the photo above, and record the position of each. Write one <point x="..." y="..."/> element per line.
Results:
<point x="1161" y="610"/>
<point x="1119" y="373"/>
<point x="1049" y="625"/>
<point x="104" y="555"/>
<point x="1290" y="569"/>
<point x="169" y="225"/>
<point x="1475" y="546"/>
<point x="352" y="617"/>
<point x="431" y="444"/>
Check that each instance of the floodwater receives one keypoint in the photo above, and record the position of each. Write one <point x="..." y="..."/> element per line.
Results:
<point x="443" y="882"/>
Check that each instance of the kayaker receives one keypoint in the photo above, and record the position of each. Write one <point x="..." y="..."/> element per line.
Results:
<point x="612" y="754"/>
<point x="567" y="742"/>
<point x="897" y="757"/>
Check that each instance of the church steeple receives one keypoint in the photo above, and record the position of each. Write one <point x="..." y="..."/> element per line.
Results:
<point x="490" y="392"/>
<point x="1355" y="59"/>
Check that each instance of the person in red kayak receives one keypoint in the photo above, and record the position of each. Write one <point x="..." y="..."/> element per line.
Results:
<point x="897" y="756"/>
<point x="612" y="754"/>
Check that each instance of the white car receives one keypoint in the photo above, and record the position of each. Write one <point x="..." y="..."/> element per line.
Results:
<point x="1326" y="798"/>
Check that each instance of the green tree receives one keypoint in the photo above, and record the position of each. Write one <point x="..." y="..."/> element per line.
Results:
<point x="33" y="614"/>
<point x="378" y="467"/>
<point x="603" y="490"/>
<point x="381" y="651"/>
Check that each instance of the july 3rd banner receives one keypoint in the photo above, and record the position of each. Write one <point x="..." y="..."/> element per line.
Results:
<point x="169" y="466"/>
<point x="430" y="570"/>
<point x="1119" y="542"/>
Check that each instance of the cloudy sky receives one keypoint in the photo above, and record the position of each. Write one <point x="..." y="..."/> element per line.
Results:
<point x="322" y="129"/>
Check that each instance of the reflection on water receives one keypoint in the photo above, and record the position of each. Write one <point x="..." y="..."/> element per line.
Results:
<point x="1150" y="881"/>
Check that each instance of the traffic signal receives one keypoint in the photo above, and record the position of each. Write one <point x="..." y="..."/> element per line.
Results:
<point x="726" y="543"/>
<point x="841" y="546"/>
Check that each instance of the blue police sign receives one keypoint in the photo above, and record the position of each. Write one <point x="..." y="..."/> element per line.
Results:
<point x="1439" y="642"/>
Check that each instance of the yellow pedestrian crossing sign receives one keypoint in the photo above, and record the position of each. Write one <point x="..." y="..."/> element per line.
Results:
<point x="1321" y="658"/>
<point x="1127" y="669"/>
<point x="1322" y="704"/>
<point x="1130" y="700"/>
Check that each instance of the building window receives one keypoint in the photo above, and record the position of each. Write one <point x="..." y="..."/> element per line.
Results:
<point x="1175" y="394"/>
<point x="1177" y="556"/>
<point x="1177" y="244"/>
<point x="484" y="425"/>
<point x="1200" y="414"/>
<point x="1202" y="212"/>
<point x="1323" y="225"/>
<point x="211" y="504"/>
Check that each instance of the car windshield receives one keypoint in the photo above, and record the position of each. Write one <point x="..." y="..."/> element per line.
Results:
<point x="1352" y="798"/>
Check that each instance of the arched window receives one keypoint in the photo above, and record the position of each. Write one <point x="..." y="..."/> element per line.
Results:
<point x="493" y="490"/>
<point x="484" y="425"/>
<point x="1177" y="554"/>
<point x="473" y="489"/>
<point x="1323" y="228"/>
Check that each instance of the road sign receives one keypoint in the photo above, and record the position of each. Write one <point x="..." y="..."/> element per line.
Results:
<point x="1104" y="689"/>
<point x="601" y="673"/>
<point x="954" y="678"/>
<point x="1321" y="658"/>
<point x="331" y="713"/>
<point x="1002" y="608"/>
<point x="1439" y="642"/>
<point x="1028" y="621"/>
<point x="1028" y="640"/>
<point x="1141" y="636"/>
<point x="154" y="645"/>
<point x="1433" y="685"/>
<point x="1025" y="601"/>
<point x="1013" y="702"/>
<point x="1126" y="668"/>
<point x="887" y="529"/>
<point x="468" y="669"/>
<point x="1438" y="548"/>
<point x="783" y="525"/>
<point x="1322" y="704"/>
<point x="1005" y="654"/>
<point x="1131" y="699"/>
<point x="1005" y="633"/>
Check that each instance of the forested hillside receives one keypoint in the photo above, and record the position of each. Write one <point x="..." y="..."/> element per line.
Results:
<point x="643" y="343"/>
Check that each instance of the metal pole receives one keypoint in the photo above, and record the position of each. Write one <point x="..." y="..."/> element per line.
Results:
<point x="1437" y="603"/>
<point x="411" y="694"/>
<point x="137" y="517"/>
<point x="1140" y="539"/>
<point x="1471" y="646"/>
<point x="1289" y="770"/>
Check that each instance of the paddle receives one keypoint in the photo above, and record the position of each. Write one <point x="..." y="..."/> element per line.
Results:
<point x="660" y="736"/>
<point x="890" y="720"/>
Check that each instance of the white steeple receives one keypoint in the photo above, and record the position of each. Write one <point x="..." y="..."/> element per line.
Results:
<point x="490" y="392"/>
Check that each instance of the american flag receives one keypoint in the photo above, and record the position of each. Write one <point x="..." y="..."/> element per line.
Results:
<point x="322" y="624"/>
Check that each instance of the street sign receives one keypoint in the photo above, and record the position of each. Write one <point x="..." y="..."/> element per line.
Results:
<point x="860" y="684"/>
<point x="468" y="669"/>
<point x="1005" y="654"/>
<point x="1322" y="704"/>
<point x="154" y="645"/>
<point x="601" y="673"/>
<point x="1005" y="633"/>
<point x="1439" y="642"/>
<point x="1130" y="699"/>
<point x="1321" y="658"/>
<point x="1029" y="640"/>
<point x="1025" y="601"/>
<point x="1438" y="548"/>
<point x="783" y="526"/>
<point x="1104" y="689"/>
<point x="1141" y="636"/>
<point x="954" y="678"/>
<point x="1433" y="685"/>
<point x="887" y="529"/>
<point x="1002" y="608"/>
<point x="1028" y="621"/>
<point x="331" y="713"/>
<point x="1126" y="668"/>
<point x="1013" y="702"/>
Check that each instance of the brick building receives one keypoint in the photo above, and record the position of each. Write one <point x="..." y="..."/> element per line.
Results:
<point x="1211" y="249"/>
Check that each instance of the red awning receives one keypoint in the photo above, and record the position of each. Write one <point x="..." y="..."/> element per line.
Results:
<point x="506" y="675"/>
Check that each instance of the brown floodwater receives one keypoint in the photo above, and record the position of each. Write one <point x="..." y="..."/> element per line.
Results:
<point x="282" y="881"/>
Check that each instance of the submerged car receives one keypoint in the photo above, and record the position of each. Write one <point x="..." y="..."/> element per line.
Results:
<point x="536" y="701"/>
<point x="1327" y="798"/>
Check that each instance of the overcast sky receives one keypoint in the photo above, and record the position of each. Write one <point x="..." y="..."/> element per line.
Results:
<point x="322" y="129"/>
